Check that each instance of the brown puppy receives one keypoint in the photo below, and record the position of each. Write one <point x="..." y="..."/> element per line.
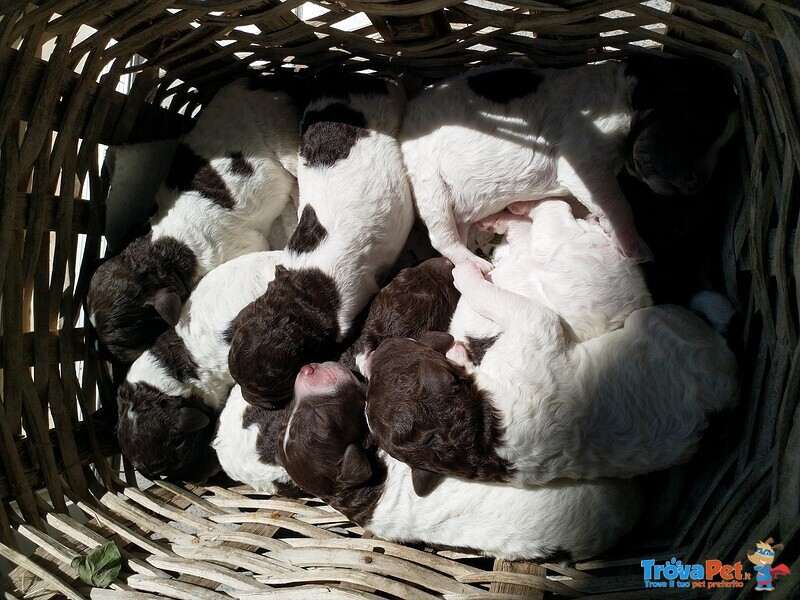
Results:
<point x="436" y="420"/>
<point x="417" y="300"/>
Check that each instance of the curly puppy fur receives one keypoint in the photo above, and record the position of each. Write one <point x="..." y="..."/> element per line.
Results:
<point x="326" y="450"/>
<point x="628" y="402"/>
<point x="417" y="300"/>
<point x="230" y="178"/>
<point x="355" y="215"/>
<point x="187" y="367"/>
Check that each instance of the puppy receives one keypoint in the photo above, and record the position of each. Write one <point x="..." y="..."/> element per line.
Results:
<point x="567" y="264"/>
<point x="355" y="215"/>
<point x="417" y="300"/>
<point x="172" y="393"/>
<point x="246" y="442"/>
<point x="230" y="178"/>
<point x="539" y="407"/>
<point x="495" y="135"/>
<point x="326" y="450"/>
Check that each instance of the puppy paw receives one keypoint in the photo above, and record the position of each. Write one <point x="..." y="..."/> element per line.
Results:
<point x="521" y="208"/>
<point x="469" y="272"/>
<point x="632" y="246"/>
<point x="501" y="222"/>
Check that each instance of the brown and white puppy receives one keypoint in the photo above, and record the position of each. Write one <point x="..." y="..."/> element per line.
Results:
<point x="168" y="403"/>
<point x="406" y="408"/>
<point x="166" y="435"/>
<point x="539" y="407"/>
<point x="230" y="178"/>
<point x="326" y="450"/>
<point x="355" y="215"/>
<point x="246" y="442"/>
<point x="495" y="135"/>
<point x="417" y="300"/>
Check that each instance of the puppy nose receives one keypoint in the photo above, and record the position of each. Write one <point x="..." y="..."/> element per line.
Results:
<point x="308" y="369"/>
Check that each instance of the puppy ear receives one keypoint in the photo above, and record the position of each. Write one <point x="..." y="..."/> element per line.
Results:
<point x="190" y="420"/>
<point x="777" y="547"/>
<point x="355" y="466"/>
<point x="437" y="340"/>
<point x="424" y="481"/>
<point x="167" y="304"/>
<point x="433" y="376"/>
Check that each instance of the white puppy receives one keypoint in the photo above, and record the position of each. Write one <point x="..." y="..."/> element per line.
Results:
<point x="501" y="134"/>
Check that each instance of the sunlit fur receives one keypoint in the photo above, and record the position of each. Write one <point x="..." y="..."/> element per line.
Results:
<point x="469" y="157"/>
<point x="631" y="401"/>
<point x="238" y="448"/>
<point x="327" y="434"/>
<point x="361" y="199"/>
<point x="247" y="139"/>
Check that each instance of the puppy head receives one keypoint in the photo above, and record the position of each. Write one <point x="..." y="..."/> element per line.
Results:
<point x="428" y="413"/>
<point x="293" y="323"/>
<point x="418" y="299"/>
<point x="137" y="295"/>
<point x="686" y="112"/>
<point x="163" y="435"/>
<point x="323" y="445"/>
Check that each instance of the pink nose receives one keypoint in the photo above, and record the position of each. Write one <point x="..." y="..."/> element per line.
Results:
<point x="308" y="369"/>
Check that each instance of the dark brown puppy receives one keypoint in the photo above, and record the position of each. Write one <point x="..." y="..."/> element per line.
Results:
<point x="292" y="324"/>
<point x="325" y="448"/>
<point x="417" y="300"/>
<point x="177" y="440"/>
<point x="427" y="412"/>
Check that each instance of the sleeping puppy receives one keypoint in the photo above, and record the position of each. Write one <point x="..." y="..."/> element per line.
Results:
<point x="540" y="407"/>
<point x="230" y="178"/>
<point x="172" y="393"/>
<point x="567" y="264"/>
<point x="417" y="300"/>
<point x="326" y="450"/>
<point x="355" y="215"/>
<point x="246" y="442"/>
<point x="496" y="135"/>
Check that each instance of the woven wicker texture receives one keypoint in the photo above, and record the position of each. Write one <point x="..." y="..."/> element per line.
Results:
<point x="62" y="489"/>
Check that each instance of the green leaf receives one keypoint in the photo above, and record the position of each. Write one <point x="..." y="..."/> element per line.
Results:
<point x="100" y="567"/>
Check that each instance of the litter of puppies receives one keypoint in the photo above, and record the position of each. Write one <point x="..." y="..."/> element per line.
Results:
<point x="501" y="403"/>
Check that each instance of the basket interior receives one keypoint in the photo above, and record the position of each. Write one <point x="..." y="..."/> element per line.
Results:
<point x="79" y="76"/>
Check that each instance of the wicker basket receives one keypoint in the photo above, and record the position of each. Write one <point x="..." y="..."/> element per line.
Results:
<point x="63" y="488"/>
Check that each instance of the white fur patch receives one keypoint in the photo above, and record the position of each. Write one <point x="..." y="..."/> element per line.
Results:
<point x="237" y="451"/>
